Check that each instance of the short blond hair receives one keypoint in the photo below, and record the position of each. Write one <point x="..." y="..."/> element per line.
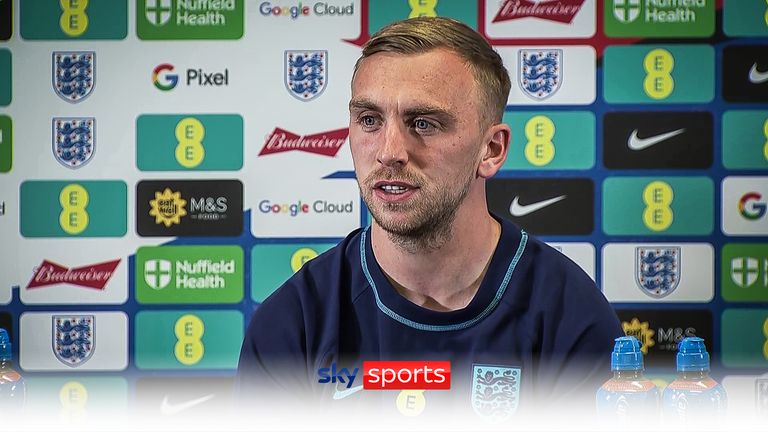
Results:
<point x="422" y="34"/>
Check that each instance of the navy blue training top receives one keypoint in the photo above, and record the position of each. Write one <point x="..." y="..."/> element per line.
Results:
<point x="537" y="321"/>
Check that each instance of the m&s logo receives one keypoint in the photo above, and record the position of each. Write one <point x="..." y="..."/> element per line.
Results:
<point x="163" y="80"/>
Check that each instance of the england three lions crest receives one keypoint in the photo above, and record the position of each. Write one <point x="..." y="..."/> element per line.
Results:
<point x="657" y="270"/>
<point x="306" y="73"/>
<point x="495" y="391"/>
<point x="73" y="140"/>
<point x="540" y="72"/>
<point x="73" y="338"/>
<point x="74" y="74"/>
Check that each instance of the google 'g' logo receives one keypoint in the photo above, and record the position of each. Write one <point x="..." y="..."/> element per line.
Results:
<point x="751" y="207"/>
<point x="164" y="81"/>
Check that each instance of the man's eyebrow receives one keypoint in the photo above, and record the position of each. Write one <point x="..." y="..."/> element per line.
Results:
<point x="363" y="104"/>
<point x="430" y="110"/>
<point x="421" y="110"/>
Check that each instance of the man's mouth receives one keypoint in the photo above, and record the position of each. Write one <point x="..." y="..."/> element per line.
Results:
<point x="395" y="188"/>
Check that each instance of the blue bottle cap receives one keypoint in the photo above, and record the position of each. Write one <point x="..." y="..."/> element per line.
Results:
<point x="626" y="354"/>
<point x="5" y="346"/>
<point x="692" y="355"/>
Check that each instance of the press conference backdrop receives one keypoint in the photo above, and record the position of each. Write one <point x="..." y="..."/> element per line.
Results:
<point x="166" y="164"/>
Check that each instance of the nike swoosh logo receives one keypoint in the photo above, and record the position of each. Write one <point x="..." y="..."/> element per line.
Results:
<point x="166" y="408"/>
<point x="518" y="210"/>
<point x="636" y="143"/>
<point x="757" y="77"/>
<point x="341" y="394"/>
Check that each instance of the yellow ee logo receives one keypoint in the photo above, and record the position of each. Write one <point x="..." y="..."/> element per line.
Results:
<point x="189" y="330"/>
<point x="765" y="134"/>
<point x="411" y="403"/>
<point x="539" y="150"/>
<point x="300" y="257"/>
<point x="73" y="21"/>
<point x="73" y="395"/>
<point x="189" y="135"/>
<point x="420" y="8"/>
<point x="658" y="83"/>
<point x="765" y="333"/>
<point x="658" y="215"/>
<point x="73" y="218"/>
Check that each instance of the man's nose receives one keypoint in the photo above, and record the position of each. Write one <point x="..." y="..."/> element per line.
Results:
<point x="393" y="149"/>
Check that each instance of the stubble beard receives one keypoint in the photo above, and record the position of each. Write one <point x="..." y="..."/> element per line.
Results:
<point x="429" y="221"/>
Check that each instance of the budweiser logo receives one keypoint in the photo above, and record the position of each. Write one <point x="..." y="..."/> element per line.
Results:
<point x="553" y="10"/>
<point x="92" y="276"/>
<point x="323" y="143"/>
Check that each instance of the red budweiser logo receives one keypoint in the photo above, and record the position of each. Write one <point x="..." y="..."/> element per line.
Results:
<point x="92" y="276"/>
<point x="323" y="143"/>
<point x="553" y="10"/>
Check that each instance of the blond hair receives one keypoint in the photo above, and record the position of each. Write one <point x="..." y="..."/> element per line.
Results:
<point x="419" y="35"/>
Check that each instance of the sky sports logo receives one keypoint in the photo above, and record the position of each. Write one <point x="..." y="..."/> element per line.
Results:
<point x="389" y="375"/>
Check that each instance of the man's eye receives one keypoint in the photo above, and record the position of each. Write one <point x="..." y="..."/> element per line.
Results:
<point x="422" y="125"/>
<point x="368" y="121"/>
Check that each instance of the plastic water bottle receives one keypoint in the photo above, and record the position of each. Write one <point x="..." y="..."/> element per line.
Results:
<point x="12" y="388"/>
<point x="694" y="397"/>
<point x="628" y="396"/>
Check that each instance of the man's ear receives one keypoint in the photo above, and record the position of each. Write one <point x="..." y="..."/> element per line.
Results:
<point x="496" y="147"/>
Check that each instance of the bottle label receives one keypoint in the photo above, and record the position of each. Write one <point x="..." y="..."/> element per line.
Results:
<point x="698" y="385"/>
<point x="628" y="386"/>
<point x="10" y="376"/>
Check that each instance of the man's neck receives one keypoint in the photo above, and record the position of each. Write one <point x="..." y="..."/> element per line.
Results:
<point x="444" y="278"/>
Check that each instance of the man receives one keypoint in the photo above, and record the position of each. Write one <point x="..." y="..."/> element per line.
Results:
<point x="435" y="276"/>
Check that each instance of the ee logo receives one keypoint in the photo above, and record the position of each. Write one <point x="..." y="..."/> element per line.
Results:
<point x="189" y="135"/>
<point x="420" y="8"/>
<point x="300" y="257"/>
<point x="73" y="217"/>
<point x="658" y="83"/>
<point x="765" y="134"/>
<point x="539" y="150"/>
<point x="411" y="403"/>
<point x="73" y="397"/>
<point x="658" y="196"/>
<point x="189" y="347"/>
<point x="73" y="21"/>
<point x="765" y="333"/>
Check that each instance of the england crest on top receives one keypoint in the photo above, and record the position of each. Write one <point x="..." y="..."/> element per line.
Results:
<point x="657" y="270"/>
<point x="73" y="338"/>
<point x="540" y="72"/>
<point x="74" y="74"/>
<point x="74" y="140"/>
<point x="306" y="73"/>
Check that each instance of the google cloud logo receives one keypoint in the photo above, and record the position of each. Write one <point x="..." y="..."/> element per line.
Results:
<point x="163" y="80"/>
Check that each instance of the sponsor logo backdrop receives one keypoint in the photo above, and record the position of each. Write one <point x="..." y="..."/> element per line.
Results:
<point x="221" y="164"/>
